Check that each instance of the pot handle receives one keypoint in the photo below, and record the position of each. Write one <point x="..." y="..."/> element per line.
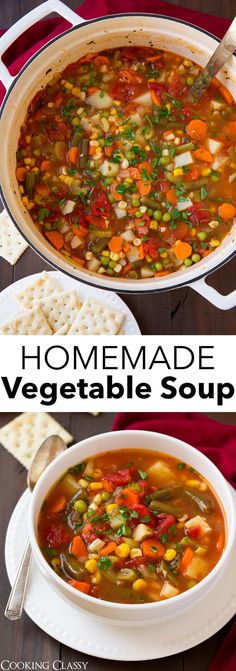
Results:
<point x="213" y="296"/>
<point x="26" y="22"/>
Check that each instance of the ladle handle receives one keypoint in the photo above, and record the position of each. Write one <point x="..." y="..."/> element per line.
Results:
<point x="220" y="56"/>
<point x="14" y="607"/>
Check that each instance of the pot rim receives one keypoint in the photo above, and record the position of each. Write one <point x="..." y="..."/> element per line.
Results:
<point x="81" y="278"/>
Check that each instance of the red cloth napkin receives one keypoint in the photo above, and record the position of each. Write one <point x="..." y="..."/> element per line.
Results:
<point x="37" y="36"/>
<point x="218" y="443"/>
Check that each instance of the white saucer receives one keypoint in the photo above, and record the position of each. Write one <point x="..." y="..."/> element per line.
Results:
<point x="81" y="631"/>
<point x="9" y="308"/>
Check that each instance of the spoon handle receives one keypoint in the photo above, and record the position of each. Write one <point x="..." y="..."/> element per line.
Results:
<point x="15" y="602"/>
<point x="225" y="49"/>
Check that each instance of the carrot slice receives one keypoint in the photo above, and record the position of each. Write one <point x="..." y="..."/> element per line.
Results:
<point x="153" y="59"/>
<point x="127" y="498"/>
<point x="81" y="586"/>
<point x="115" y="244"/>
<point x="114" y="193"/>
<point x="86" y="59"/>
<point x="80" y="231"/>
<point x="171" y="196"/>
<point x="80" y="262"/>
<point x="182" y="250"/>
<point x="197" y="130"/>
<point x="202" y="154"/>
<point x="45" y="165"/>
<point x="56" y="239"/>
<point x="227" y="211"/>
<point x="230" y="130"/>
<point x="186" y="559"/>
<point x="155" y="98"/>
<point x="145" y="166"/>
<point x="162" y="273"/>
<point x="42" y="189"/>
<point x="59" y="504"/>
<point x="20" y="174"/>
<point x="73" y="154"/>
<point x="144" y="188"/>
<point x="107" y="486"/>
<point x="151" y="548"/>
<point x="135" y="173"/>
<point x="108" y="549"/>
<point x="226" y="94"/>
<point x="192" y="174"/>
<point x="78" y="547"/>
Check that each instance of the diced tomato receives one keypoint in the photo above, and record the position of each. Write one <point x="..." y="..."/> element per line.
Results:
<point x="122" y="90"/>
<point x="175" y="86"/>
<point x="194" y="532"/>
<point x="142" y="511"/>
<point x="57" y="133"/>
<point x="179" y="233"/>
<point x="164" y="186"/>
<point x="97" y="222"/>
<point x="37" y="100"/>
<point x="100" y="205"/>
<point x="160" y="89"/>
<point x="119" y="478"/>
<point x="163" y="523"/>
<point x="57" y="535"/>
<point x="151" y="247"/>
<point x="137" y="53"/>
<point x="198" y="214"/>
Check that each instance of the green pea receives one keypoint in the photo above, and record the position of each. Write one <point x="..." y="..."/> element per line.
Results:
<point x="149" y="211"/>
<point x="106" y="496"/>
<point x="188" y="262"/>
<point x="138" y="215"/>
<point x="135" y="202"/>
<point x="215" y="178"/>
<point x="202" y="236"/>
<point x="157" y="215"/>
<point x="166" y="216"/>
<point x="110" y="271"/>
<point x="75" y="121"/>
<point x="112" y="264"/>
<point x="164" y="160"/>
<point x="104" y="260"/>
<point x="80" y="506"/>
<point x="107" y="181"/>
<point x="158" y="266"/>
<point x="130" y="155"/>
<point x="189" y="81"/>
<point x="110" y="198"/>
<point x="101" y="142"/>
<point x="196" y="258"/>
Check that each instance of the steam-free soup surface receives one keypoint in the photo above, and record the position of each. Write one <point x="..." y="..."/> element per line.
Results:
<point x="121" y="171"/>
<point x="132" y="526"/>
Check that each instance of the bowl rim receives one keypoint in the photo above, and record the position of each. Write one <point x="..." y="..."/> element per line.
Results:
<point x="151" y="606"/>
<point x="92" y="279"/>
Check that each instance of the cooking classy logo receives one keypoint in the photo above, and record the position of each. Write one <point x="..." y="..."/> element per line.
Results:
<point x="57" y="665"/>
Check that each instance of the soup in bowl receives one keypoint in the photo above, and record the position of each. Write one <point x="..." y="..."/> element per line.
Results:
<point x="140" y="525"/>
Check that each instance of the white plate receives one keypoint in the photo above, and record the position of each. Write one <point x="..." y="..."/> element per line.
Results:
<point x="81" y="631"/>
<point x="9" y="307"/>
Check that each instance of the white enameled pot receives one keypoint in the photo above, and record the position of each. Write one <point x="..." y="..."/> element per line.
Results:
<point x="147" y="440"/>
<point x="109" y="32"/>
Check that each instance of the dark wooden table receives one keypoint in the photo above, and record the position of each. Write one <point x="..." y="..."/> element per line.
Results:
<point x="174" y="312"/>
<point x="23" y="640"/>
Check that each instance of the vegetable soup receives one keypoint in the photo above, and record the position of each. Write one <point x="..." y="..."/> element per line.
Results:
<point x="132" y="526"/>
<point x="121" y="171"/>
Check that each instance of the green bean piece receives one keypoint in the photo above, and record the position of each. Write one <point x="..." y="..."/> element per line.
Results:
<point x="83" y="152"/>
<point x="168" y="573"/>
<point x="132" y="275"/>
<point x="97" y="246"/>
<point x="150" y="202"/>
<point x="71" y="567"/>
<point x="101" y="234"/>
<point x="195" y="184"/>
<point x="162" y="507"/>
<point x="182" y="148"/>
<point x="186" y="540"/>
<point x="165" y="494"/>
<point x="29" y="183"/>
<point x="203" y="501"/>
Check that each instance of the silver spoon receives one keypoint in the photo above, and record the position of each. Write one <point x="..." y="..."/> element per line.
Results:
<point x="220" y="56"/>
<point x="47" y="452"/>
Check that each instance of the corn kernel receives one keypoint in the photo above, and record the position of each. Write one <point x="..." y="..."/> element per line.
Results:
<point x="153" y="224"/>
<point x="214" y="243"/>
<point x="30" y="206"/>
<point x="214" y="224"/>
<point x="111" y="507"/>
<point x="21" y="189"/>
<point x="129" y="180"/>
<point x="170" y="554"/>
<point x="148" y="258"/>
<point x="76" y="91"/>
<point x="193" y="483"/>
<point x="96" y="485"/>
<point x="105" y="253"/>
<point x="117" y="102"/>
<point x="27" y="161"/>
<point x="139" y="585"/>
<point x="89" y="256"/>
<point x="122" y="550"/>
<point x="68" y="86"/>
<point x="83" y="483"/>
<point x="135" y="552"/>
<point x="206" y="172"/>
<point x="164" y="255"/>
<point x="118" y="268"/>
<point x="203" y="487"/>
<point x="177" y="172"/>
<point x="96" y="578"/>
<point x="91" y="565"/>
<point x="147" y="148"/>
<point x="94" y="135"/>
<point x="193" y="232"/>
<point x="68" y="180"/>
<point x="168" y="106"/>
<point x="98" y="499"/>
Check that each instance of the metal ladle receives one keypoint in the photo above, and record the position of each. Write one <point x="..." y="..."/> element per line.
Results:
<point x="220" y="56"/>
<point x="47" y="452"/>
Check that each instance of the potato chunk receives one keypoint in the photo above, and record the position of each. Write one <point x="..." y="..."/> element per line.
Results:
<point x="198" y="521"/>
<point x="161" y="471"/>
<point x="168" y="590"/>
<point x="197" y="569"/>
